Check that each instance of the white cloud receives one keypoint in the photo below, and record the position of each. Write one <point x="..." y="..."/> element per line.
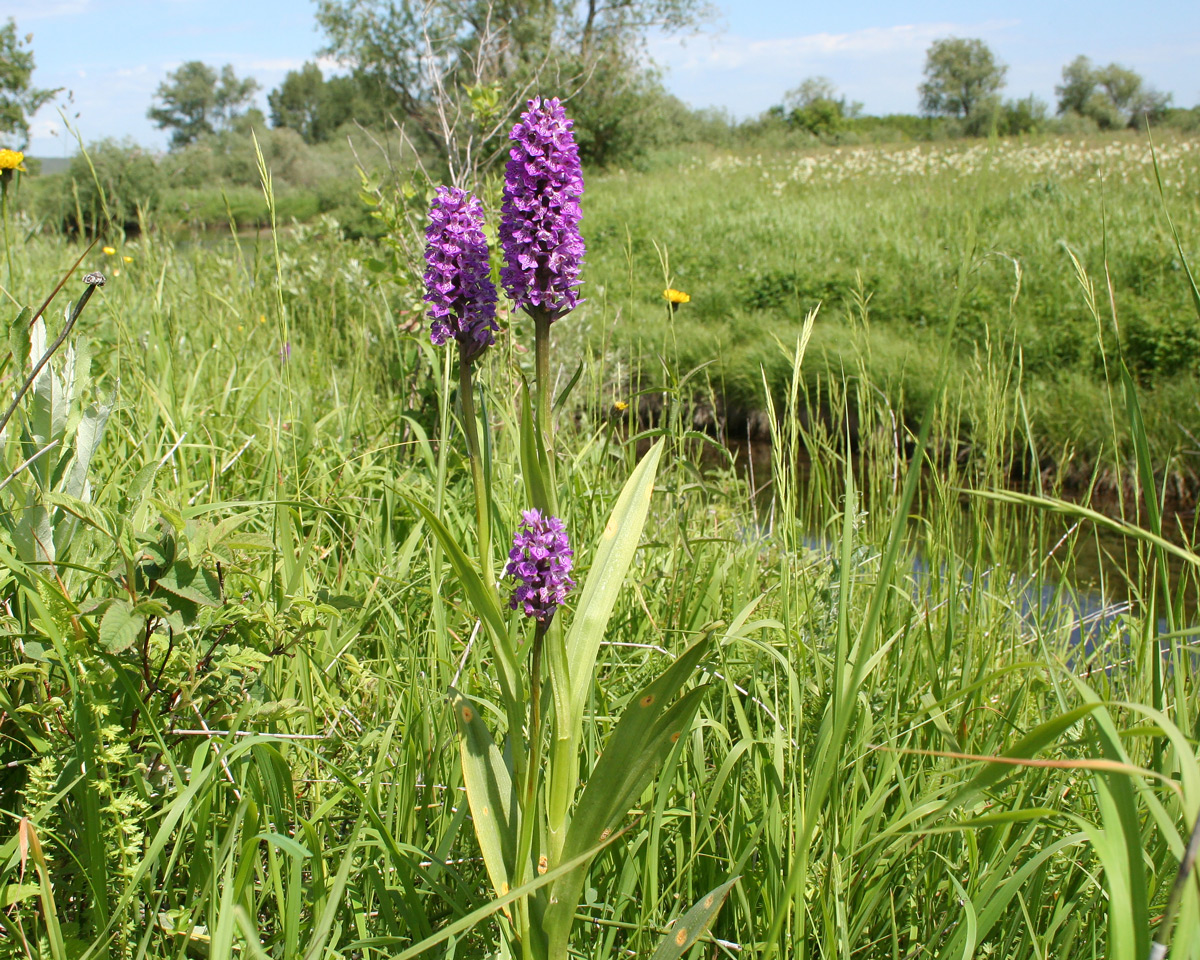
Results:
<point x="879" y="65"/>
<point x="284" y="64"/>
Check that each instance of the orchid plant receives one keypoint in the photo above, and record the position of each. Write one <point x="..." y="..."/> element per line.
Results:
<point x="537" y="832"/>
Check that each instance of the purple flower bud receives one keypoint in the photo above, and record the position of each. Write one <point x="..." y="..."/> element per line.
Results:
<point x="458" y="286"/>
<point x="539" y="229"/>
<point x="540" y="561"/>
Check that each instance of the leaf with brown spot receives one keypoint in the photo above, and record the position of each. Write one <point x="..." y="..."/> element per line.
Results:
<point x="691" y="925"/>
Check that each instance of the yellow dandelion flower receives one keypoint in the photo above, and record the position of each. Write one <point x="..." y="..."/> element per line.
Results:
<point x="262" y="318"/>
<point x="621" y="405"/>
<point x="673" y="296"/>
<point x="108" y="251"/>
<point x="127" y="259"/>
<point x="12" y="160"/>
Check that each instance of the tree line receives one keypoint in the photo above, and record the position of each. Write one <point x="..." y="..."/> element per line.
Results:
<point x="453" y="72"/>
<point x="963" y="80"/>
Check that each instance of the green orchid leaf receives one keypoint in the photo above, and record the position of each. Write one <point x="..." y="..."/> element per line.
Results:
<point x="489" y="792"/>
<point x="688" y="928"/>
<point x="610" y="564"/>
<point x="644" y="736"/>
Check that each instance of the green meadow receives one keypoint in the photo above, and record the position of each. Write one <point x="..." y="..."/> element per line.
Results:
<point x="233" y="611"/>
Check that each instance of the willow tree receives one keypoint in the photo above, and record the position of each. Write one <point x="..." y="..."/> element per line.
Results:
<point x="455" y="73"/>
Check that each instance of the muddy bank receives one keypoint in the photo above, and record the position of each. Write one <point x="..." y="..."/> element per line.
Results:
<point x="1081" y="479"/>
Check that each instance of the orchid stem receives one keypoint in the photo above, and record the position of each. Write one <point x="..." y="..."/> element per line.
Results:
<point x="471" y="429"/>
<point x="529" y="798"/>
<point x="545" y="397"/>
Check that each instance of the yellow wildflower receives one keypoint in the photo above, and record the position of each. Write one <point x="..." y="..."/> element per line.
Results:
<point x="621" y="406"/>
<point x="262" y="318"/>
<point x="127" y="259"/>
<point x="11" y="160"/>
<point x="108" y="251"/>
<point x="673" y="296"/>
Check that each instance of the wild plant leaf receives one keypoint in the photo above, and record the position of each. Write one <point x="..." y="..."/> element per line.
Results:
<point x="610" y="563"/>
<point x="210" y="536"/>
<point x="1122" y="826"/>
<point x="47" y="403"/>
<point x="16" y="892"/>
<point x="470" y="920"/>
<point x="33" y="535"/>
<point x="120" y="626"/>
<point x="489" y="792"/>
<point x="565" y="394"/>
<point x="87" y="512"/>
<point x="687" y="929"/>
<point x="629" y="757"/>
<point x="139" y="484"/>
<point x="191" y="582"/>
<point x="323" y="925"/>
<point x="31" y="843"/>
<point x="18" y="339"/>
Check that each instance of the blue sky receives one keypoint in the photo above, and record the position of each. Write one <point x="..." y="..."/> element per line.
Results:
<point x="112" y="54"/>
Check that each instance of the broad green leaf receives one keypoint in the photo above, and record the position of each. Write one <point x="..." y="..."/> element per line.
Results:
<point x="489" y="792"/>
<point x="191" y="582"/>
<point x="639" y="744"/>
<point x="18" y="340"/>
<point x="16" y="892"/>
<point x="47" y="404"/>
<point x="120" y="626"/>
<point x="629" y="757"/>
<point x="1122" y="826"/>
<point x="476" y="916"/>
<point x="687" y="929"/>
<point x="610" y="564"/>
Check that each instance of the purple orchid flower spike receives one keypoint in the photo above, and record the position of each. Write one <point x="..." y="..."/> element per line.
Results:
<point x="458" y="284"/>
<point x="540" y="561"/>
<point x="539" y="229"/>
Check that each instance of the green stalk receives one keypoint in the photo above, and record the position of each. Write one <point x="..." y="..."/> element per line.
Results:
<point x="528" y="800"/>
<point x="471" y="429"/>
<point x="4" y="178"/>
<point x="545" y="399"/>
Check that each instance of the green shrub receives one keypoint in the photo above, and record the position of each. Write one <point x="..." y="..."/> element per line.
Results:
<point x="109" y="187"/>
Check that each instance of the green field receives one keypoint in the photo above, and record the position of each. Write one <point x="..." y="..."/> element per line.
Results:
<point x="231" y="630"/>
<point x="899" y="244"/>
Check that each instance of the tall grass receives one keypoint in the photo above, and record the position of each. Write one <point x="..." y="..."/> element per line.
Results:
<point x="260" y="761"/>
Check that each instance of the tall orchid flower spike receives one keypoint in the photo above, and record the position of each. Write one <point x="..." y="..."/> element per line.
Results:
<point x="539" y="229"/>
<point x="462" y="306"/>
<point x="459" y="289"/>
